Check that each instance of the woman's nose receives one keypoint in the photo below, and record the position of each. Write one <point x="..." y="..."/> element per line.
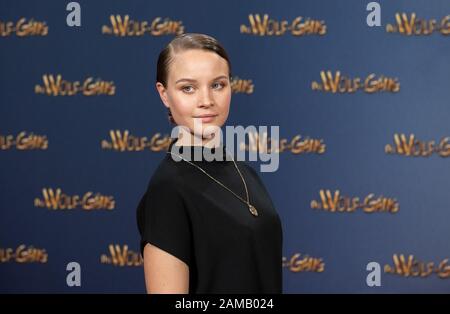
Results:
<point x="206" y="98"/>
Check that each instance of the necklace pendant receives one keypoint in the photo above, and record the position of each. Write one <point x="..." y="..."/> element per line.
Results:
<point x="253" y="210"/>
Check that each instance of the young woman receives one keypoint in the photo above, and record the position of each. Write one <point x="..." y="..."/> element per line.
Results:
<point x="206" y="226"/>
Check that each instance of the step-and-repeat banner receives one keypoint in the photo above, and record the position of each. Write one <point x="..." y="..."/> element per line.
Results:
<point x="360" y="91"/>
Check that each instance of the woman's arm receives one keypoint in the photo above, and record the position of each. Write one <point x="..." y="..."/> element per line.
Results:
<point x="164" y="273"/>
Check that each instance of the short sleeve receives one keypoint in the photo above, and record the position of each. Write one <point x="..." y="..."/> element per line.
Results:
<point x="163" y="221"/>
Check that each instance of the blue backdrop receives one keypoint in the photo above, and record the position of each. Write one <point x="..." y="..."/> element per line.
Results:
<point x="65" y="144"/>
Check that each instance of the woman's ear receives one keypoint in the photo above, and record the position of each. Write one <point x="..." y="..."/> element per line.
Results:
<point x="162" y="94"/>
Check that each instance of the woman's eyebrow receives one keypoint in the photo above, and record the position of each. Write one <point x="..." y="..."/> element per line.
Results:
<point x="193" y="80"/>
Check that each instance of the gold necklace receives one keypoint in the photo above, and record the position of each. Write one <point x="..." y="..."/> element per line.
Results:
<point x="251" y="208"/>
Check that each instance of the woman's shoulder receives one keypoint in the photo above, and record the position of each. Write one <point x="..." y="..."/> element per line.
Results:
<point x="249" y="168"/>
<point x="166" y="175"/>
<point x="164" y="183"/>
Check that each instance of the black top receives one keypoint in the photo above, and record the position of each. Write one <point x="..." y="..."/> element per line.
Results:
<point x="192" y="217"/>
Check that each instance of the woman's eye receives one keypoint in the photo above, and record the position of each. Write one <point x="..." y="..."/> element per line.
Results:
<point x="187" y="89"/>
<point x="218" y="85"/>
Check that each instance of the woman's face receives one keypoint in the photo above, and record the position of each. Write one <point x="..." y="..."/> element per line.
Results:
<point x="198" y="89"/>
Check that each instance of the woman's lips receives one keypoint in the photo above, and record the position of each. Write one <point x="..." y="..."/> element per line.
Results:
<point x="207" y="118"/>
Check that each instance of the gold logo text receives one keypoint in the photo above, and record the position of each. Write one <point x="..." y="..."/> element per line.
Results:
<point x="411" y="25"/>
<point x="121" y="256"/>
<point x="56" y="86"/>
<point x="304" y="264"/>
<point x="339" y="203"/>
<point x="300" y="26"/>
<point x="56" y="199"/>
<point x="338" y="83"/>
<point x="23" y="141"/>
<point x="23" y="28"/>
<point x="297" y="145"/>
<point x="122" y="27"/>
<point x="123" y="141"/>
<point x="412" y="267"/>
<point x="23" y="254"/>
<point x="416" y="148"/>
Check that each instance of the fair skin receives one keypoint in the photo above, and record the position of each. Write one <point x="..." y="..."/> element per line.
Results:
<point x="198" y="84"/>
